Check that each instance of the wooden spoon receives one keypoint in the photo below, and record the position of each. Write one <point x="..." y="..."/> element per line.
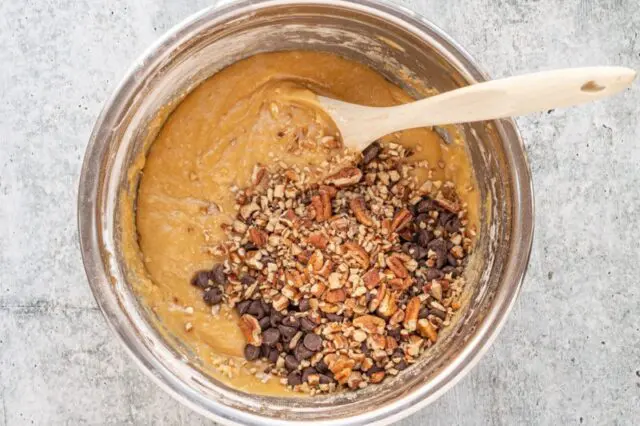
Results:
<point x="360" y="125"/>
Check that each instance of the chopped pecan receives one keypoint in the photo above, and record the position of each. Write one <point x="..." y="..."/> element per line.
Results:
<point x="258" y="237"/>
<point x="371" y="278"/>
<point x="335" y="296"/>
<point x="326" y="269"/>
<point x="388" y="306"/>
<point x="377" y="377"/>
<point x="411" y="314"/>
<point x="345" y="177"/>
<point x="331" y="190"/>
<point x="355" y="252"/>
<point x="294" y="278"/>
<point x="376" y="341"/>
<point x="412" y="347"/>
<point x="452" y="206"/>
<point x="359" y="209"/>
<point x="258" y="175"/>
<point x="378" y="298"/>
<point x="318" y="289"/>
<point x="354" y="380"/>
<point x="395" y="262"/>
<point x="401" y="219"/>
<point x="251" y="330"/>
<point x="427" y="330"/>
<point x="316" y="261"/>
<point x="318" y="240"/>
<point x="280" y="302"/>
<point x="370" y="323"/>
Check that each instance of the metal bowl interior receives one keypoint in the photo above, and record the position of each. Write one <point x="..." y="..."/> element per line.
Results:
<point x="409" y="51"/>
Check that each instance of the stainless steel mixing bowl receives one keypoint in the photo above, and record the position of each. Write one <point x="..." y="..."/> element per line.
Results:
<point x="411" y="52"/>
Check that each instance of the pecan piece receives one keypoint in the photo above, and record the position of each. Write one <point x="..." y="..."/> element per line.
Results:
<point x="356" y="253"/>
<point x="411" y="314"/>
<point x="388" y="306"/>
<point x="377" y="377"/>
<point x="401" y="219"/>
<point x="318" y="240"/>
<point x="251" y="330"/>
<point x="258" y="237"/>
<point x="396" y="264"/>
<point x="370" y="323"/>
<point x="371" y="278"/>
<point x="316" y="261"/>
<point x="359" y="209"/>
<point x="345" y="177"/>
<point x="379" y="297"/>
<point x="427" y="330"/>
<point x="335" y="296"/>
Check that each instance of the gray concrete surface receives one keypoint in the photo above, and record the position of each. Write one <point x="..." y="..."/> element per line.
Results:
<point x="569" y="354"/>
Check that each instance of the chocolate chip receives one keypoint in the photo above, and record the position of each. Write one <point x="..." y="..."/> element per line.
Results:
<point x="264" y="351"/>
<point x="424" y="237"/>
<point x="301" y="352"/>
<point x="304" y="305"/>
<point x="291" y="363"/>
<point x="371" y="152"/>
<point x="247" y="280"/>
<point x="271" y="336"/>
<point x="313" y="342"/>
<point x="398" y="354"/>
<point x="217" y="274"/>
<point x="251" y="352"/>
<point x="401" y="365"/>
<point x="364" y="348"/>
<point x="452" y="225"/>
<point x="264" y="322"/>
<point x="265" y="307"/>
<point x="287" y="333"/>
<point x="255" y="309"/>
<point x="243" y="306"/>
<point x="423" y="313"/>
<point x="307" y="372"/>
<point x="407" y="233"/>
<point x="324" y="379"/>
<point x="434" y="274"/>
<point x="452" y="260"/>
<point x="276" y="318"/>
<point x="425" y="205"/>
<point x="306" y="324"/>
<point x="249" y="246"/>
<point x="451" y="270"/>
<point x="374" y="369"/>
<point x="201" y="279"/>
<point x="291" y="321"/>
<point x="213" y="296"/>
<point x="274" y="354"/>
<point x="322" y="366"/>
<point x="294" y="378"/>
<point x="334" y="317"/>
<point x="439" y="313"/>
<point x="395" y="333"/>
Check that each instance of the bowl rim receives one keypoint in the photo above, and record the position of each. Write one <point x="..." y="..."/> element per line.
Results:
<point x="96" y="270"/>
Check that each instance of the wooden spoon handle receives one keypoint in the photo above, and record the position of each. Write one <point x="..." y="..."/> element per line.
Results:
<point x="500" y="98"/>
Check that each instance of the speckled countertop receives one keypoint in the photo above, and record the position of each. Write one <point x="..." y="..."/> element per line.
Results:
<point x="570" y="352"/>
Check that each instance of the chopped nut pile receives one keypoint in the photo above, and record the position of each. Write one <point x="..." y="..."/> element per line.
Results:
<point x="341" y="283"/>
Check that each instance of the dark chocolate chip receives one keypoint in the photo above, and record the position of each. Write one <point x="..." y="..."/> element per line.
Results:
<point x="255" y="309"/>
<point x="401" y="365"/>
<point x="301" y="352"/>
<point x="423" y="313"/>
<point x="213" y="296"/>
<point x="291" y="363"/>
<point x="426" y="205"/>
<point x="407" y="233"/>
<point x="274" y="354"/>
<point x="445" y="217"/>
<point x="249" y="246"/>
<point x="324" y="379"/>
<point x="395" y="333"/>
<point x="264" y="350"/>
<point x="276" y="318"/>
<point x="374" y="369"/>
<point x="364" y="348"/>
<point x="264" y="322"/>
<point x="287" y="333"/>
<point x="294" y="378"/>
<point x="397" y="354"/>
<point x="452" y="260"/>
<point x="291" y="321"/>
<point x="271" y="336"/>
<point x="439" y="313"/>
<point x="322" y="367"/>
<point x="452" y="225"/>
<point x="306" y="324"/>
<point x="434" y="274"/>
<point x="247" y="280"/>
<point x="313" y="342"/>
<point x="201" y="279"/>
<point x="304" y="305"/>
<point x="217" y="274"/>
<point x="334" y="317"/>
<point x="251" y="352"/>
<point x="307" y="372"/>
<point x="265" y="307"/>
<point x="243" y="306"/>
<point x="424" y="237"/>
<point x="371" y="152"/>
<point x="422" y="218"/>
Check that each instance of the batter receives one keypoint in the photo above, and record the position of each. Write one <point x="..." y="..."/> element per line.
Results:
<point x="208" y="147"/>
